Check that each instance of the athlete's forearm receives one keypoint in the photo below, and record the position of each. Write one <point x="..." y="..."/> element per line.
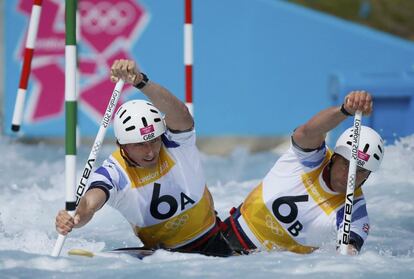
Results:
<point x="177" y="116"/>
<point x="85" y="215"/>
<point x="90" y="203"/>
<point x="313" y="133"/>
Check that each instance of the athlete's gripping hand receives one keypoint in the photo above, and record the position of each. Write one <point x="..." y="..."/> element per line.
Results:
<point x="358" y="101"/>
<point x="350" y="250"/>
<point x="126" y="70"/>
<point x="65" y="222"/>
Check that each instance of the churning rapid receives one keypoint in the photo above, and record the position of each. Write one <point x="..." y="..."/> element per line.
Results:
<point x="32" y="191"/>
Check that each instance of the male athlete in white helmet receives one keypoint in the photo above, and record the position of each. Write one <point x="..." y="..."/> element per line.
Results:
<point x="155" y="178"/>
<point x="299" y="205"/>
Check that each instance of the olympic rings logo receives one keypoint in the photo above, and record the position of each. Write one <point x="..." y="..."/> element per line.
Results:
<point x="177" y="223"/>
<point x="96" y="147"/>
<point x="106" y="17"/>
<point x="273" y="226"/>
<point x="272" y="245"/>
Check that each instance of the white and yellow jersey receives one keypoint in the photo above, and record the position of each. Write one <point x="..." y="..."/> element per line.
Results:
<point x="168" y="206"/>
<point x="293" y="209"/>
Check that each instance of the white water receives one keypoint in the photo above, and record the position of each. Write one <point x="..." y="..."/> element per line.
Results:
<point x="32" y="191"/>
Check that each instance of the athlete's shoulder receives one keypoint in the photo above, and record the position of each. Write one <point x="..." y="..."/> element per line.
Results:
<point x="308" y="158"/>
<point x="111" y="173"/>
<point x="176" y="139"/>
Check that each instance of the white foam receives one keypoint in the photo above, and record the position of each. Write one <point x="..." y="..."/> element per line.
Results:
<point x="32" y="191"/>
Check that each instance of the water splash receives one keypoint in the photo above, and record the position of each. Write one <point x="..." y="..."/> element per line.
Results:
<point x="32" y="192"/>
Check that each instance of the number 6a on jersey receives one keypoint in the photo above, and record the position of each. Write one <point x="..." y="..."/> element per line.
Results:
<point x="156" y="200"/>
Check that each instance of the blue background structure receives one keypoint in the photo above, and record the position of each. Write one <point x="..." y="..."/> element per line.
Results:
<point x="261" y="67"/>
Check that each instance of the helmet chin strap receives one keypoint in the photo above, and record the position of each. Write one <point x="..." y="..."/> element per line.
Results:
<point x="326" y="175"/>
<point x="362" y="183"/>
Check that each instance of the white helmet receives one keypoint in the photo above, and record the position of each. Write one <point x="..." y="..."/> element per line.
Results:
<point x="138" y="121"/>
<point x="370" y="151"/>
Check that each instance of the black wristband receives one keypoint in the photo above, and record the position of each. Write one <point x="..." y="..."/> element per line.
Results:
<point x="143" y="82"/>
<point x="344" y="111"/>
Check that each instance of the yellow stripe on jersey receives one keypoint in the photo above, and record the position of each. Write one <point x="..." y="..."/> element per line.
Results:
<point x="326" y="201"/>
<point x="266" y="228"/>
<point x="181" y="229"/>
<point x="141" y="176"/>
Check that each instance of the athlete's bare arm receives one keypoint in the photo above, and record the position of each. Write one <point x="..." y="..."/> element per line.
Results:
<point x="177" y="116"/>
<point x="91" y="202"/>
<point x="312" y="134"/>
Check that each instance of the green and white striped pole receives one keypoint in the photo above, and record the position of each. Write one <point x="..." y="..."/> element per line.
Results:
<point x="71" y="115"/>
<point x="78" y="38"/>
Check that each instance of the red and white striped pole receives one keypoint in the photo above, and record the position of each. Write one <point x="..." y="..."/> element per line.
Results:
<point x="27" y="62"/>
<point x="188" y="55"/>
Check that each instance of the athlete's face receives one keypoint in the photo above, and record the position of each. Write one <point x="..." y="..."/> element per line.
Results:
<point x="339" y="174"/>
<point x="145" y="154"/>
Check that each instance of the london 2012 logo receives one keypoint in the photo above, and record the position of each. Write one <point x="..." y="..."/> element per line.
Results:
<point x="108" y="30"/>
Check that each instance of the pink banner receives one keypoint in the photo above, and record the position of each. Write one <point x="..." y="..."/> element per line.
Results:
<point x="108" y="31"/>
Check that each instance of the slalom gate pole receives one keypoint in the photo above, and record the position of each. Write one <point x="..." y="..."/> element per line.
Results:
<point x="70" y="110"/>
<point x="188" y="55"/>
<point x="27" y="63"/>
<point x="344" y="233"/>
<point x="87" y="170"/>
<point x="78" y="38"/>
